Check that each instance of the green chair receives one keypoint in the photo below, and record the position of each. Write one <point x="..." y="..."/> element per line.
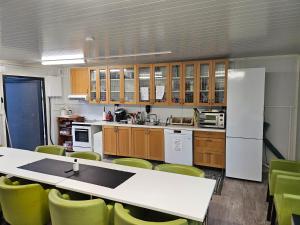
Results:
<point x="23" y="204"/>
<point x="279" y="167"/>
<point x="86" y="155"/>
<point x="134" y="162"/>
<point x="68" y="212"/>
<point x="286" y="199"/>
<point x="124" y="216"/>
<point x="181" y="169"/>
<point x="51" y="149"/>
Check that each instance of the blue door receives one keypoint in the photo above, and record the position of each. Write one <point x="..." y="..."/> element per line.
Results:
<point x="24" y="99"/>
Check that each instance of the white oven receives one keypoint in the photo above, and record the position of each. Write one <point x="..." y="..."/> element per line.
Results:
<point x="82" y="135"/>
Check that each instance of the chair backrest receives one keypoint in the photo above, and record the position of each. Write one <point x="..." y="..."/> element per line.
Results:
<point x="68" y="212"/>
<point x="51" y="149"/>
<point x="134" y="162"/>
<point x="24" y="204"/>
<point x="86" y="155"/>
<point x="123" y="217"/>
<point x="181" y="169"/>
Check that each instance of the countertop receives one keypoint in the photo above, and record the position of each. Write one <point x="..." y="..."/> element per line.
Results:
<point x="173" y="127"/>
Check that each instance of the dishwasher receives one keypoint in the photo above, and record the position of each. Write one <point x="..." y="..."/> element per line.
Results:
<point x="179" y="146"/>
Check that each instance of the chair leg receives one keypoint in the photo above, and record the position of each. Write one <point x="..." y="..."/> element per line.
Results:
<point x="270" y="205"/>
<point x="268" y="195"/>
<point x="273" y="217"/>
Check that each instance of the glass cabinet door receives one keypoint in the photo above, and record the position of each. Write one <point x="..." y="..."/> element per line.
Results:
<point x="93" y="86"/>
<point x="114" y="81"/>
<point x="160" y="82"/>
<point x="204" y="83"/>
<point x="176" y="82"/>
<point x="129" y="85"/>
<point x="189" y="83"/>
<point x="103" y="83"/>
<point x="219" y="88"/>
<point x="144" y="81"/>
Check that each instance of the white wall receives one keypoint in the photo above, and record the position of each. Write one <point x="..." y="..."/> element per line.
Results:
<point x="281" y="98"/>
<point x="21" y="70"/>
<point x="298" y="121"/>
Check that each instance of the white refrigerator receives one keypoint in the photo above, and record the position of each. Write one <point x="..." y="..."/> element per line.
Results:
<point x="244" y="127"/>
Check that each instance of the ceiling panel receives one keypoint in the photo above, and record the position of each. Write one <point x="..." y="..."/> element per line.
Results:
<point x="191" y="29"/>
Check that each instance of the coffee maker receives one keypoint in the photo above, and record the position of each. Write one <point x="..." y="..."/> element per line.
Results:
<point x="120" y="114"/>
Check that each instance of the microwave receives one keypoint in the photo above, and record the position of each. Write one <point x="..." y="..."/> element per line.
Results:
<point x="212" y="120"/>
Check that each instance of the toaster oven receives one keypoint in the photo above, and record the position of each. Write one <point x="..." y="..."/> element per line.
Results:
<point x="212" y="120"/>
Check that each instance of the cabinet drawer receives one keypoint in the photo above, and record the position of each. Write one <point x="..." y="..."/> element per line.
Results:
<point x="209" y="134"/>
<point x="210" y="159"/>
<point x="209" y="145"/>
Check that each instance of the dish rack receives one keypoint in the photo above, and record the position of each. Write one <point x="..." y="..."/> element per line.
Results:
<point x="184" y="121"/>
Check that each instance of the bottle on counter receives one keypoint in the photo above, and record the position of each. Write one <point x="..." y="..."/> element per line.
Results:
<point x="76" y="166"/>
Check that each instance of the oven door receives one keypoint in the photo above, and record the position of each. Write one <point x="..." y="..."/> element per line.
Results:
<point x="82" y="136"/>
<point x="209" y="120"/>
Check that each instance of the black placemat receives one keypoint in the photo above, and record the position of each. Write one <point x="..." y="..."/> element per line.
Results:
<point x="296" y="219"/>
<point x="52" y="167"/>
<point x="90" y="174"/>
<point x="102" y="176"/>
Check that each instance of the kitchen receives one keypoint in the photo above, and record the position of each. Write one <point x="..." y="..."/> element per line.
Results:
<point x="150" y="81"/>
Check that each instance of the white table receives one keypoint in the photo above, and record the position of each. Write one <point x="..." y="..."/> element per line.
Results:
<point x="175" y="194"/>
<point x="14" y="158"/>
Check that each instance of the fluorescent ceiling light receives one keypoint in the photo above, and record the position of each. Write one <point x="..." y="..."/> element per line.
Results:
<point x="63" y="57"/>
<point x="133" y="55"/>
<point x="63" y="62"/>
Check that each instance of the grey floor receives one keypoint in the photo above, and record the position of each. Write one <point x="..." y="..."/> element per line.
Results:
<point x="240" y="203"/>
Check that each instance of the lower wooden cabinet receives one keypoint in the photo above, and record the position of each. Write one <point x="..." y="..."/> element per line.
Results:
<point x="109" y="134"/>
<point x="139" y="143"/>
<point x="156" y="144"/>
<point x="148" y="143"/>
<point x="209" y="149"/>
<point x="124" y="141"/>
<point x="145" y="143"/>
<point x="116" y="140"/>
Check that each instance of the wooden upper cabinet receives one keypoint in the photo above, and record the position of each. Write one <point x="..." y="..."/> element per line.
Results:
<point x="161" y="84"/>
<point x="144" y="84"/>
<point x="115" y="82"/>
<point x="79" y="81"/>
<point x="93" y="85"/>
<point x="124" y="141"/>
<point x="103" y="85"/>
<point x="189" y="83"/>
<point x="139" y="142"/>
<point x="176" y="84"/>
<point x="156" y="144"/>
<point x="110" y="139"/>
<point x="129" y="85"/>
<point x="204" y="83"/>
<point x="219" y="83"/>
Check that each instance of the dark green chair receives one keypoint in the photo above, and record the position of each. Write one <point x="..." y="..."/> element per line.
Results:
<point x="181" y="169"/>
<point x="134" y="162"/>
<point x="51" y="149"/>
<point x="86" y="155"/>
<point x="67" y="212"/>
<point x="124" y="216"/>
<point x="23" y="204"/>
<point x="286" y="199"/>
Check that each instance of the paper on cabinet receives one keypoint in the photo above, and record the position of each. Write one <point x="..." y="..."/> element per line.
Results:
<point x="144" y="93"/>
<point x="160" y="91"/>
